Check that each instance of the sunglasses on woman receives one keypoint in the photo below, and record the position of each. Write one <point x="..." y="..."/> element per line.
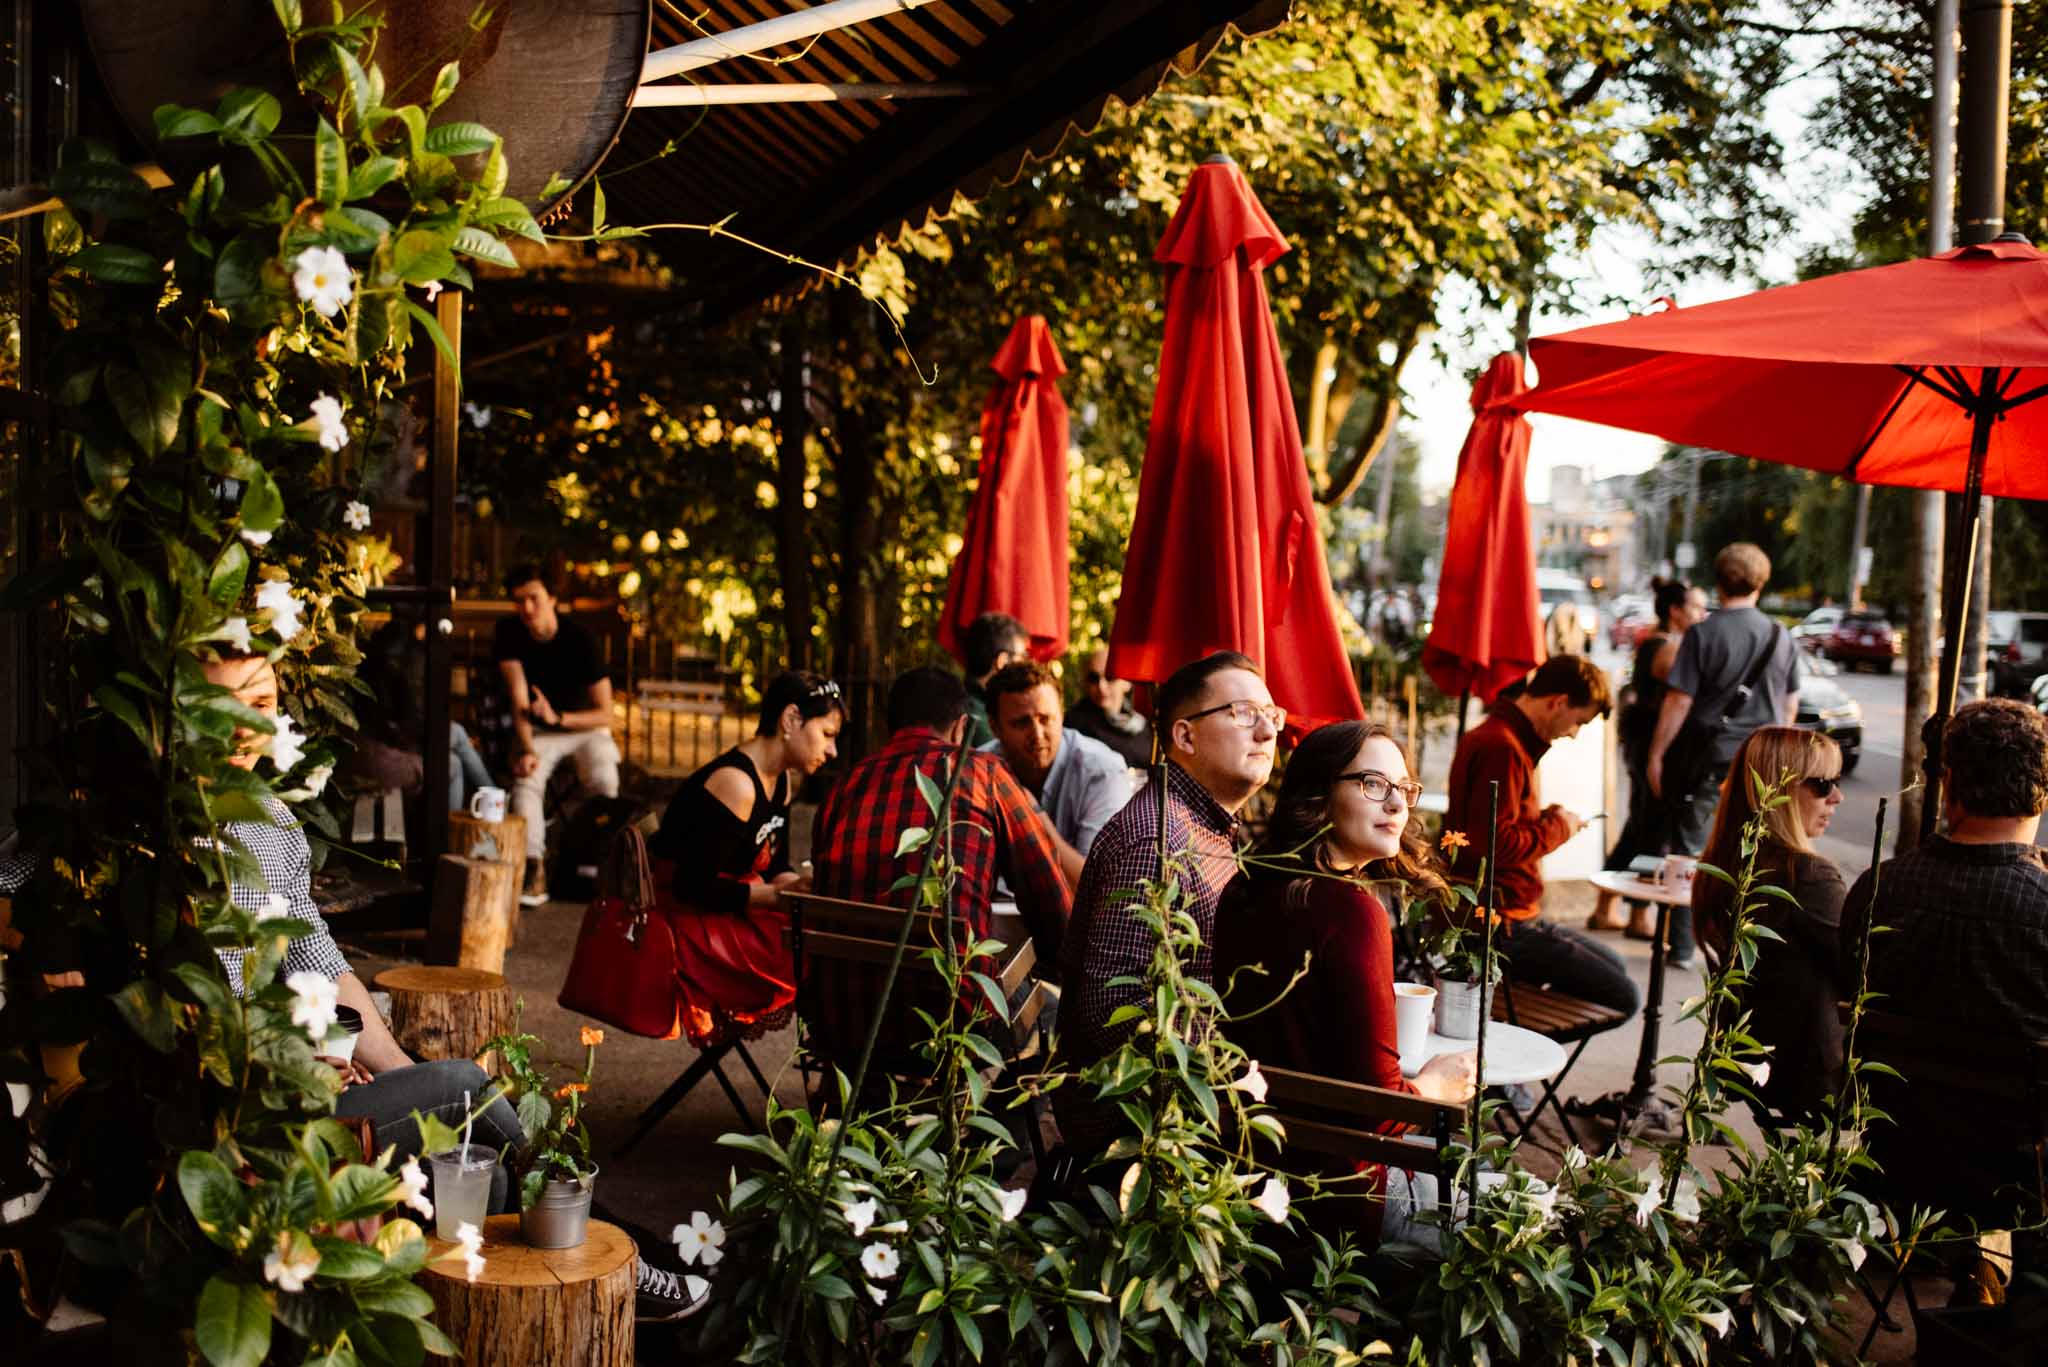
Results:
<point x="1377" y="786"/>
<point x="1821" y="787"/>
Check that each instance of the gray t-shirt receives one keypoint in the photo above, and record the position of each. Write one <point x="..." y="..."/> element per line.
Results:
<point x="1713" y="660"/>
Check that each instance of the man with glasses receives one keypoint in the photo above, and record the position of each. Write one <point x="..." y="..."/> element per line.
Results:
<point x="1219" y="729"/>
<point x="1564" y="693"/>
<point x="1105" y="713"/>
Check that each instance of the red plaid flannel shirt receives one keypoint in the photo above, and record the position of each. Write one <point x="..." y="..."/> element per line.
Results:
<point x="998" y="832"/>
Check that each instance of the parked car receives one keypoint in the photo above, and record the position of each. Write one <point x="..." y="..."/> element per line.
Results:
<point x="2016" y="650"/>
<point x="1863" y="638"/>
<point x="1554" y="586"/>
<point x="1816" y="626"/>
<point x="1826" y="708"/>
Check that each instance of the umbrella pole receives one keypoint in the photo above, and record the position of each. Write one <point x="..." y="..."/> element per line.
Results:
<point x="1956" y="596"/>
<point x="1464" y="706"/>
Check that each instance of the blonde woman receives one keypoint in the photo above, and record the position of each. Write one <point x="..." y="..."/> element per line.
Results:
<point x="1795" y="985"/>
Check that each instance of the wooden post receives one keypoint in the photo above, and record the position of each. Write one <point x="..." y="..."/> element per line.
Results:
<point x="446" y="1012"/>
<point x="435" y="568"/>
<point x="531" y="1306"/>
<point x="482" y="893"/>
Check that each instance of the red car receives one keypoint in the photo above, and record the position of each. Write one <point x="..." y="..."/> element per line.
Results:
<point x="1863" y="638"/>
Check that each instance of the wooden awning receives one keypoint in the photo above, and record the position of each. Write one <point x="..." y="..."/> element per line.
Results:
<point x="826" y="175"/>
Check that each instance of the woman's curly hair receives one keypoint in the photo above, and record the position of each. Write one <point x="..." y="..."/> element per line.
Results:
<point x="1301" y="813"/>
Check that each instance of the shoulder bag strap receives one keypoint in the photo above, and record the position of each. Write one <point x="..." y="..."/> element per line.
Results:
<point x="1747" y="688"/>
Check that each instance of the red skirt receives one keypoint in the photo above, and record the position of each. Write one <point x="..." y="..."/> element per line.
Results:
<point x="733" y="969"/>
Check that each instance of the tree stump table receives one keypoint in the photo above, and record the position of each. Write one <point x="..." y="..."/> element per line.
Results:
<point x="481" y="896"/>
<point x="534" y="1307"/>
<point x="500" y="841"/>
<point x="440" y="1012"/>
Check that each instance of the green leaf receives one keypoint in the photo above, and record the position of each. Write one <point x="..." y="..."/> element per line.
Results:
<point x="372" y="176"/>
<point x="101" y="187"/>
<point x="117" y="703"/>
<point x="510" y="213"/>
<point x="233" y="1325"/>
<point x="362" y="98"/>
<point x="212" y="1195"/>
<point x="445" y="81"/>
<point x="239" y="285"/>
<point x="913" y="839"/>
<point x="421" y="255"/>
<point x="289" y="16"/>
<point x="116" y="264"/>
<point x="459" y="139"/>
<point x="230" y="574"/>
<point x="176" y="121"/>
<point x="484" y="247"/>
<point x="346" y="1261"/>
<point x="597" y="226"/>
<point x="142" y="1004"/>
<point x="440" y="339"/>
<point x="246" y="108"/>
<point x="151" y="418"/>
<point x="262" y="503"/>
<point x="330" y="165"/>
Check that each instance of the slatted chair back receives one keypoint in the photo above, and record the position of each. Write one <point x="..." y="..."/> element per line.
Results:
<point x="1330" y="1118"/>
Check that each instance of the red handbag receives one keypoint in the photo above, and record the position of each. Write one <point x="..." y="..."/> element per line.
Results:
<point x="624" y="969"/>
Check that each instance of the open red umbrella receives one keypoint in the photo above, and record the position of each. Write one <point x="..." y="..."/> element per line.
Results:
<point x="1224" y="551"/>
<point x="1013" y="557"/>
<point x="1487" y="629"/>
<point x="1892" y="375"/>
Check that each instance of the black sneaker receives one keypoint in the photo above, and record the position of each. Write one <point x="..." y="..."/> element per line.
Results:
<point x="662" y="1297"/>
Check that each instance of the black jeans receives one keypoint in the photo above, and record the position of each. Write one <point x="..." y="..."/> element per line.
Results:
<point x="436" y="1088"/>
<point x="1548" y="955"/>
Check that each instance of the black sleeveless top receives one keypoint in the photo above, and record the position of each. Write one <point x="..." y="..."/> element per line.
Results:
<point x="1639" y="724"/>
<point x="715" y="852"/>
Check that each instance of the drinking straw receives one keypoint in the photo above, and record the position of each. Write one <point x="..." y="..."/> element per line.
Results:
<point x="466" y="1118"/>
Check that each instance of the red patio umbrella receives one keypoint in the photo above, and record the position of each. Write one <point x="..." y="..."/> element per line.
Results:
<point x="1487" y="629"/>
<point x="1013" y="557"/>
<point x="1224" y="552"/>
<point x="1892" y="375"/>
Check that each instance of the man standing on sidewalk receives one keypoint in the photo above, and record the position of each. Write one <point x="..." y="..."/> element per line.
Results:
<point x="1736" y="671"/>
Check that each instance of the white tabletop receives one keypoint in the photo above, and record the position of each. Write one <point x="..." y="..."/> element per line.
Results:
<point x="1513" y="1054"/>
<point x="1642" y="889"/>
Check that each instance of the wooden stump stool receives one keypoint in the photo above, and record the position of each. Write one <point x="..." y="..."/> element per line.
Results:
<point x="501" y="841"/>
<point x="481" y="896"/>
<point x="534" y="1307"/>
<point x="446" y="1012"/>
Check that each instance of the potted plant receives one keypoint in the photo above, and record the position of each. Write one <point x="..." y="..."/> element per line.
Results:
<point x="555" y="1175"/>
<point x="1457" y="954"/>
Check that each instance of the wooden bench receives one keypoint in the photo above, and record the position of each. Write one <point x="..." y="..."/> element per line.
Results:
<point x="1560" y="1017"/>
<point x="1333" y="1119"/>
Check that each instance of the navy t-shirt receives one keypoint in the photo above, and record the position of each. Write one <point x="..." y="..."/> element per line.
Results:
<point x="564" y="667"/>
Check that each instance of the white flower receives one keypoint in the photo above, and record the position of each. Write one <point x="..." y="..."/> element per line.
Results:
<point x="357" y="515"/>
<point x="859" y="1216"/>
<point x="1012" y="1203"/>
<point x="432" y="289"/>
<point x="1543" y="1201"/>
<point x="313" y="1002"/>
<point x="412" y="1187"/>
<point x="1759" y="1073"/>
<point x="1855" y="1251"/>
<point x="321" y="277"/>
<point x="235" y="631"/>
<point x="911" y="1122"/>
<point x="1273" y="1200"/>
<point x="1873" y="1222"/>
<point x="256" y="538"/>
<point x="470" y="1240"/>
<point x="879" y="1261"/>
<point x="479" y="417"/>
<point x="1716" y="1320"/>
<point x="894" y="1227"/>
<point x="276" y="907"/>
<point x="327" y="422"/>
<point x="1647" y="1203"/>
<point x="1685" y="1201"/>
<point x="316" y="780"/>
<point x="290" y="1263"/>
<point x="274" y="596"/>
<point x="1252" y="1084"/>
<point x="1574" y="1158"/>
<point x="702" y="1238"/>
<point x="288" y="746"/>
<point x="880" y="1296"/>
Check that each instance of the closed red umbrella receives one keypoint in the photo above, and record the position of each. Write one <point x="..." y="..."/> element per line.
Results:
<point x="1013" y="557"/>
<point x="1487" y="629"/>
<point x="1224" y="552"/>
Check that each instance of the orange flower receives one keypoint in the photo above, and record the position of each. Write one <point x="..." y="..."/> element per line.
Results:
<point x="592" y="1035"/>
<point x="568" y="1089"/>
<point x="1453" y="841"/>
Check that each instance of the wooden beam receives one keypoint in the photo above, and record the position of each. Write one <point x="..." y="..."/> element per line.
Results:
<point x="436" y="570"/>
<point x="789" y="28"/>
<point x="794" y="92"/>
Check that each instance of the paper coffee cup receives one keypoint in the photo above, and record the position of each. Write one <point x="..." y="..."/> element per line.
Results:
<point x="1414" y="1006"/>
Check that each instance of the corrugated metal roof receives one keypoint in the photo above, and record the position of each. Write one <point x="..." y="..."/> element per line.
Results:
<point x="825" y="181"/>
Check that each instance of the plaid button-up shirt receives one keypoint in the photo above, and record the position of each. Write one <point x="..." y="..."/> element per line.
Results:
<point x="998" y="832"/>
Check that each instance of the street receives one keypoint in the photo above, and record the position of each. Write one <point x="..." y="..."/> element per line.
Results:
<point x="1847" y="839"/>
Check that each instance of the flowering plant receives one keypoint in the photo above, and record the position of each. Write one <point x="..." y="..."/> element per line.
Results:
<point x="1456" y="950"/>
<point x="557" y="1146"/>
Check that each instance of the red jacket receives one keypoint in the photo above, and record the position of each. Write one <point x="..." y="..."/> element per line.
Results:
<point x="1504" y="747"/>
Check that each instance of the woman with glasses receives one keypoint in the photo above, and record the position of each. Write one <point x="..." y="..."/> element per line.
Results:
<point x="1340" y="824"/>
<point x="723" y="851"/>
<point x="1793" y="988"/>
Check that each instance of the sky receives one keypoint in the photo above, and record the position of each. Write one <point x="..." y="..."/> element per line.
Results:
<point x="1437" y="381"/>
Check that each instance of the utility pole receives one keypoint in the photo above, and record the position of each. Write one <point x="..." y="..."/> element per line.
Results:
<point x="1854" y="599"/>
<point x="1923" y="630"/>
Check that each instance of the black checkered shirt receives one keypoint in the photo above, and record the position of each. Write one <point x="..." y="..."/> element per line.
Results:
<point x="1967" y="937"/>
<point x="1105" y="938"/>
<point x="280" y="850"/>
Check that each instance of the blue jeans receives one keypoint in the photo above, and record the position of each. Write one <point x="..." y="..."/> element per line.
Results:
<point x="1557" y="956"/>
<point x="435" y="1088"/>
<point x="466" y="769"/>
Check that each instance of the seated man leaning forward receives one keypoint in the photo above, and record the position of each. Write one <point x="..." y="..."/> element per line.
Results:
<point x="1564" y="693"/>
<point x="561" y="710"/>
<point x="1219" y="728"/>
<point x="388" y="1087"/>
<point x="1964" y="935"/>
<point x="1079" y="783"/>
<point x="998" y="832"/>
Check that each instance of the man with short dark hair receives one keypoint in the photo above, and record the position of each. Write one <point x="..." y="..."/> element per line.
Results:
<point x="1219" y="728"/>
<point x="992" y="641"/>
<point x="561" y="702"/>
<point x="1564" y="693"/>
<point x="1105" y="713"/>
<point x="1735" y="672"/>
<point x="1079" y="783"/>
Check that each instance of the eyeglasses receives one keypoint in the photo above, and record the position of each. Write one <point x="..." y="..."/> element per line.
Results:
<point x="1377" y="787"/>
<point x="1096" y="676"/>
<point x="1822" y="787"/>
<point x="1244" y="713"/>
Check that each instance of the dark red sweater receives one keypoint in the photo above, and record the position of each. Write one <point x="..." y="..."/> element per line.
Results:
<point x="1504" y="747"/>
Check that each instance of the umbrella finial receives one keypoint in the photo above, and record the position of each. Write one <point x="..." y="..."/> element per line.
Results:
<point x="2012" y="235"/>
<point x="1219" y="159"/>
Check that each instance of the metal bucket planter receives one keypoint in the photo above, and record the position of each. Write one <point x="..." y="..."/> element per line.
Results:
<point x="560" y="1215"/>
<point x="1459" y="1008"/>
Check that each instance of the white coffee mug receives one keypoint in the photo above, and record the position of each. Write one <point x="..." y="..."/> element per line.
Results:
<point x="1678" y="871"/>
<point x="487" y="804"/>
<point x="1414" y="1007"/>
